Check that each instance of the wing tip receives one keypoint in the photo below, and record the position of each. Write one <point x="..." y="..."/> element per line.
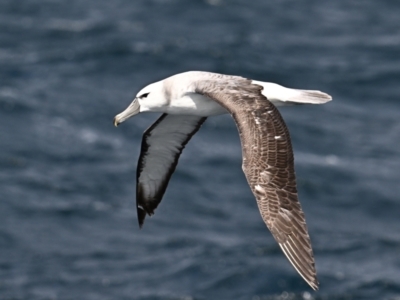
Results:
<point x="311" y="277"/>
<point x="314" y="285"/>
<point x="141" y="214"/>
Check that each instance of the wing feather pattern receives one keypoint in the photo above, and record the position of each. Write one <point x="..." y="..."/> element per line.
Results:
<point x="162" y="145"/>
<point x="268" y="165"/>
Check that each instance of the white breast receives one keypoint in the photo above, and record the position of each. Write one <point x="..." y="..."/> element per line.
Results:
<point x="195" y="104"/>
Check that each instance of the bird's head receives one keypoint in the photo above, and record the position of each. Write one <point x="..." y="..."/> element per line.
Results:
<point x="151" y="98"/>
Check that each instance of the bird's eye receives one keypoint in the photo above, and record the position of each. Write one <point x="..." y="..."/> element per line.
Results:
<point x="144" y="95"/>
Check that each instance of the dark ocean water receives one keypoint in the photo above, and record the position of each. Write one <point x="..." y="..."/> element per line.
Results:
<point x="68" y="227"/>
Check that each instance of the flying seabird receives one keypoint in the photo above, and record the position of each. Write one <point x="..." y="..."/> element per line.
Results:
<point x="185" y="101"/>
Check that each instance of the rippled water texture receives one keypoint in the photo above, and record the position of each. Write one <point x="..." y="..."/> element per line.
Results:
<point x="68" y="227"/>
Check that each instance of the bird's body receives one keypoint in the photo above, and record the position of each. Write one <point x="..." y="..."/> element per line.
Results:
<point x="186" y="100"/>
<point x="195" y="105"/>
<point x="170" y="99"/>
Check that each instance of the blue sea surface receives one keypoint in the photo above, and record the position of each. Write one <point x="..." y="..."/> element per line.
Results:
<point x="68" y="225"/>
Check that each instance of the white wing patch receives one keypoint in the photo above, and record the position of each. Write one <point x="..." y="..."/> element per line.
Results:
<point x="260" y="189"/>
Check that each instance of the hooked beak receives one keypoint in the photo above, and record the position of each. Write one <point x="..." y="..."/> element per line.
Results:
<point x="130" y="111"/>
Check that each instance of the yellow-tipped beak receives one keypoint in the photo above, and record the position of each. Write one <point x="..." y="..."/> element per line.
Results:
<point x="130" y="111"/>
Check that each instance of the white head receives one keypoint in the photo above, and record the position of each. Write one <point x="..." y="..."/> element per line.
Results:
<point x="150" y="98"/>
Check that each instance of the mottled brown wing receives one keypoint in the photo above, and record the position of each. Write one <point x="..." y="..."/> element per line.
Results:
<point x="162" y="145"/>
<point x="269" y="167"/>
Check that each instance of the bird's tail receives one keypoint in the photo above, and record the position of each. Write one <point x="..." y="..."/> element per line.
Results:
<point x="281" y="96"/>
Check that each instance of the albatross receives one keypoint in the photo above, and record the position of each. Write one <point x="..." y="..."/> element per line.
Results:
<point x="185" y="101"/>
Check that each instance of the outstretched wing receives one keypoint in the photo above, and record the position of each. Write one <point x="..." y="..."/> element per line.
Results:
<point x="162" y="144"/>
<point x="268" y="165"/>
